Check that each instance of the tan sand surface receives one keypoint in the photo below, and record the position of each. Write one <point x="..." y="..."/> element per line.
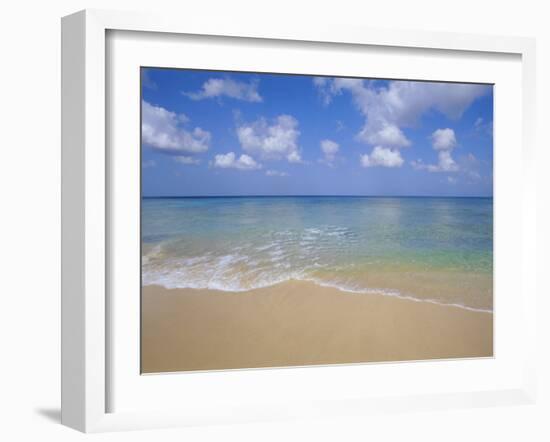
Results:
<point x="300" y="323"/>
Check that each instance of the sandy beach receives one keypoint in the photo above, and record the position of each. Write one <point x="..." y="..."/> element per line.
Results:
<point x="300" y="323"/>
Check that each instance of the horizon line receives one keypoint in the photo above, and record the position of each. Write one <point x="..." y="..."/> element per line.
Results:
<point x="316" y="195"/>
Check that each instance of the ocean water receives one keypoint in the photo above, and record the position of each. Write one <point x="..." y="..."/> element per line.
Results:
<point x="426" y="249"/>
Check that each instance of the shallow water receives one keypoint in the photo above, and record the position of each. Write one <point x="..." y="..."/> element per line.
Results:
<point x="438" y="249"/>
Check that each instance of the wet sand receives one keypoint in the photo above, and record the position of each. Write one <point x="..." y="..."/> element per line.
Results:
<point x="300" y="323"/>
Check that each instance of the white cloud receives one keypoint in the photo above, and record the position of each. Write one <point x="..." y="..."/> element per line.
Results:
<point x="275" y="173"/>
<point x="382" y="156"/>
<point x="294" y="157"/>
<point x="230" y="161"/>
<point x="443" y="141"/>
<point x="320" y="81"/>
<point x="383" y="133"/>
<point x="446" y="163"/>
<point x="451" y="180"/>
<point x="271" y="141"/>
<point x="324" y="87"/>
<point x="330" y="149"/>
<point x="187" y="160"/>
<point x="388" y="109"/>
<point x="161" y="130"/>
<point x="148" y="163"/>
<point x="218" y="87"/>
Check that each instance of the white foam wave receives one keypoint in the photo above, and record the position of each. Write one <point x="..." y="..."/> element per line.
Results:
<point x="393" y="293"/>
<point x="223" y="277"/>
<point x="278" y="257"/>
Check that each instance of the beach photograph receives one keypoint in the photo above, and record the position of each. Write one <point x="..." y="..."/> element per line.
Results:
<point x="301" y="220"/>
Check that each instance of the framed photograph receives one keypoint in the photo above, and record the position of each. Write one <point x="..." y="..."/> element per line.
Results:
<point x="266" y="223"/>
<point x="313" y="241"/>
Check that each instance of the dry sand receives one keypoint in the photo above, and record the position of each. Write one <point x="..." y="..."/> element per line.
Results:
<point x="300" y="323"/>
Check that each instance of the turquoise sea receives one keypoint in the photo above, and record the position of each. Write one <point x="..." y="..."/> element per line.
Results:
<point x="427" y="249"/>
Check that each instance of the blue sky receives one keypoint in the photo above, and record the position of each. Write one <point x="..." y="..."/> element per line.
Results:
<point x="210" y="133"/>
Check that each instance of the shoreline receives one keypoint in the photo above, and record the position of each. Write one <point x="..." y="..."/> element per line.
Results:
<point x="298" y="323"/>
<point x="350" y="291"/>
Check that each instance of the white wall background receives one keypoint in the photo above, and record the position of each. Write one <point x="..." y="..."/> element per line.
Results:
<point x="30" y="216"/>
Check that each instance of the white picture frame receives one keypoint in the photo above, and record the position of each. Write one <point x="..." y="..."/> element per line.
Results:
<point x="86" y="204"/>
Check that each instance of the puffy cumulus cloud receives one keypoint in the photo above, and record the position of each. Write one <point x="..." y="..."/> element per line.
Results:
<point x="330" y="149"/>
<point x="390" y="108"/>
<point x="468" y="168"/>
<point x="275" y="173"/>
<point x="382" y="156"/>
<point x="383" y="133"/>
<point x="446" y="163"/>
<point x="187" y="160"/>
<point x="294" y="157"/>
<point x="230" y="161"/>
<point x="162" y="130"/>
<point x="218" y="87"/>
<point x="443" y="141"/>
<point x="271" y="141"/>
